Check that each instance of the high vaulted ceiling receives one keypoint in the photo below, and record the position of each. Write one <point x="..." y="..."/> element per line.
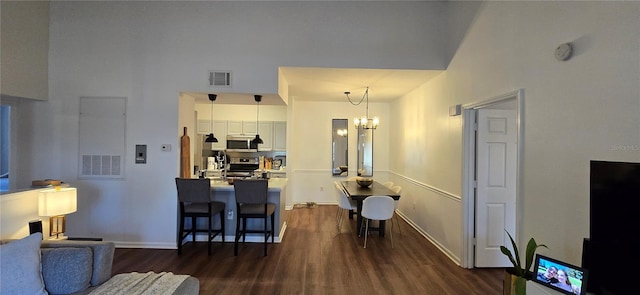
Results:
<point x="329" y="84"/>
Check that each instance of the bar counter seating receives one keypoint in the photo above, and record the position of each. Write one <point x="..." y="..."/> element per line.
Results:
<point x="223" y="228"/>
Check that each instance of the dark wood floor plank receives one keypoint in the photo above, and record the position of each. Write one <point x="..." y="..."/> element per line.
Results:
<point x="316" y="257"/>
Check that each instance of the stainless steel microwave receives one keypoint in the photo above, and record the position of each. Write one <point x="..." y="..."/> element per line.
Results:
<point x="241" y="143"/>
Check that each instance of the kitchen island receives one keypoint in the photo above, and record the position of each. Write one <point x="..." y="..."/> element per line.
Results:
<point x="223" y="192"/>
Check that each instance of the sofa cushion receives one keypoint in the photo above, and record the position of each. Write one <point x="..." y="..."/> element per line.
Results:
<point x="66" y="270"/>
<point x="20" y="268"/>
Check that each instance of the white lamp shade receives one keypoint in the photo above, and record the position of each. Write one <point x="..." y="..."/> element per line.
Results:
<point x="52" y="202"/>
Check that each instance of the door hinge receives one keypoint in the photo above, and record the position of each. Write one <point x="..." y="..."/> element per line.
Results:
<point x="475" y="241"/>
<point x="475" y="184"/>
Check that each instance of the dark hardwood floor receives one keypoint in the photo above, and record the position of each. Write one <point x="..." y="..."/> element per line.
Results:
<point x="314" y="258"/>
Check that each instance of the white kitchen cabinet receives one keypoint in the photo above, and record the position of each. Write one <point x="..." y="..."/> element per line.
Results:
<point x="277" y="174"/>
<point x="242" y="127"/>
<point x="279" y="136"/>
<point x="266" y="133"/>
<point x="219" y="131"/>
<point x="203" y="127"/>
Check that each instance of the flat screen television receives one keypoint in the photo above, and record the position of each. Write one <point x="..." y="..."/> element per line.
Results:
<point x="613" y="253"/>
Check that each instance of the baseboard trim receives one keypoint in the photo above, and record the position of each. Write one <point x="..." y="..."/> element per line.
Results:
<point x="251" y="238"/>
<point x="423" y="233"/>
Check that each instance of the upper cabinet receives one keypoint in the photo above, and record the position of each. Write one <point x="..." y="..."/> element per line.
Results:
<point x="265" y="130"/>
<point x="242" y="127"/>
<point x="279" y="136"/>
<point x="273" y="133"/>
<point x="219" y="131"/>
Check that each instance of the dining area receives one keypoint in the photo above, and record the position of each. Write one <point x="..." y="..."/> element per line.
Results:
<point x="369" y="201"/>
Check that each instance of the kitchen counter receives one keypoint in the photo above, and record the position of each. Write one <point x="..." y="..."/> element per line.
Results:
<point x="275" y="185"/>
<point x="224" y="192"/>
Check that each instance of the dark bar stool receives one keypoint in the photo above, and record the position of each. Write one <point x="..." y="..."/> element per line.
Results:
<point x="194" y="196"/>
<point x="251" y="202"/>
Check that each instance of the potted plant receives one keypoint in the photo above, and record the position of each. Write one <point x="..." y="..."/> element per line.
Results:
<point x="515" y="279"/>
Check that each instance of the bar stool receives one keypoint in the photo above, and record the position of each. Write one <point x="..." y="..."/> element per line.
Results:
<point x="194" y="196"/>
<point x="251" y="202"/>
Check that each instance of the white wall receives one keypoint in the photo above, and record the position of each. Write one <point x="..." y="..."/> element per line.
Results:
<point x="426" y="160"/>
<point x="309" y="151"/>
<point x="24" y="49"/>
<point x="575" y="111"/>
<point x="150" y="52"/>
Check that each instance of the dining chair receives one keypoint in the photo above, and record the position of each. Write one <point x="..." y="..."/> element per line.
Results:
<point x="194" y="196"/>
<point x="397" y="189"/>
<point x="251" y="202"/>
<point x="388" y="184"/>
<point x="377" y="208"/>
<point x="344" y="203"/>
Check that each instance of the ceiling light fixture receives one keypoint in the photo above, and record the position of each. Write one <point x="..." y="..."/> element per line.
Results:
<point x="364" y="122"/>
<point x="257" y="140"/>
<point x="210" y="137"/>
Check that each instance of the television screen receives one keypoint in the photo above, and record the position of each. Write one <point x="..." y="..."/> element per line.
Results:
<point x="613" y="255"/>
<point x="560" y="276"/>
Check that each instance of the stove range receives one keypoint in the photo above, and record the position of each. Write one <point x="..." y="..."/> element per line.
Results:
<point x="242" y="167"/>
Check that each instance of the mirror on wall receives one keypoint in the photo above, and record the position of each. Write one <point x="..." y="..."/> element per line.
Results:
<point x="365" y="152"/>
<point x="340" y="147"/>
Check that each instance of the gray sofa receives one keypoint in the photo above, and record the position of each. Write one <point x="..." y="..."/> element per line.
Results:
<point x="67" y="267"/>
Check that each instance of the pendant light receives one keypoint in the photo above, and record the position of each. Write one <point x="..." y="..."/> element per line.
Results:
<point x="364" y="122"/>
<point x="210" y="137"/>
<point x="257" y="140"/>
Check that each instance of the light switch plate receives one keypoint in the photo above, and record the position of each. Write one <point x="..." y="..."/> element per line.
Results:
<point x="141" y="153"/>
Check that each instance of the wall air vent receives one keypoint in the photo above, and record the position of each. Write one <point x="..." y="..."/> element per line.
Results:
<point x="220" y="78"/>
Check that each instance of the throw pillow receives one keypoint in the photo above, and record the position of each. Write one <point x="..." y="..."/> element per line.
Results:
<point x="66" y="270"/>
<point x="20" y="268"/>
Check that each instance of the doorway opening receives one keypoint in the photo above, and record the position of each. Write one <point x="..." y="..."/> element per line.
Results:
<point x="503" y="213"/>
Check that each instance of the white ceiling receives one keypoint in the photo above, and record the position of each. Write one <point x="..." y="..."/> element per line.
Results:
<point x="329" y="84"/>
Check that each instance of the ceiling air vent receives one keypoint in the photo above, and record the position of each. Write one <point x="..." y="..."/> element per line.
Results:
<point x="219" y="78"/>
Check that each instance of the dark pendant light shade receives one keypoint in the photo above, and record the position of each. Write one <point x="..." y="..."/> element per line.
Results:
<point x="211" y="137"/>
<point x="257" y="140"/>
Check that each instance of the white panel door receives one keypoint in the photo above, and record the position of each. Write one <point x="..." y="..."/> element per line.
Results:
<point x="496" y="185"/>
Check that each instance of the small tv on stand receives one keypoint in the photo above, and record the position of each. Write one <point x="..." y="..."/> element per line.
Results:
<point x="612" y="251"/>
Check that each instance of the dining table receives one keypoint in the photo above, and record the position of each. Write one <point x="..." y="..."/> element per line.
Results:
<point x="358" y="193"/>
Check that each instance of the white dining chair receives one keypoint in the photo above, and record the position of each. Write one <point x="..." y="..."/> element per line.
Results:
<point x="388" y="184"/>
<point x="377" y="208"/>
<point x="397" y="189"/>
<point x="344" y="203"/>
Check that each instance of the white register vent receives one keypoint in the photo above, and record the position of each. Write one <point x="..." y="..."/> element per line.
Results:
<point x="101" y="138"/>
<point x="101" y="165"/>
<point x="220" y="78"/>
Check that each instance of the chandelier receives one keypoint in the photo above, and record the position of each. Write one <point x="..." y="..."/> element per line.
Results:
<point x="364" y="122"/>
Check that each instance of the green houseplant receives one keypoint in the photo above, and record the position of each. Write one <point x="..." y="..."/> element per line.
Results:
<point x="516" y="277"/>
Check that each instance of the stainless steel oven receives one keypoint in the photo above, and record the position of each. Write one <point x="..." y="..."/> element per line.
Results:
<point x="242" y="167"/>
<point x="241" y="143"/>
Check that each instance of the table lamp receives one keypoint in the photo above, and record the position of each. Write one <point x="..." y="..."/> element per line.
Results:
<point x="55" y="203"/>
